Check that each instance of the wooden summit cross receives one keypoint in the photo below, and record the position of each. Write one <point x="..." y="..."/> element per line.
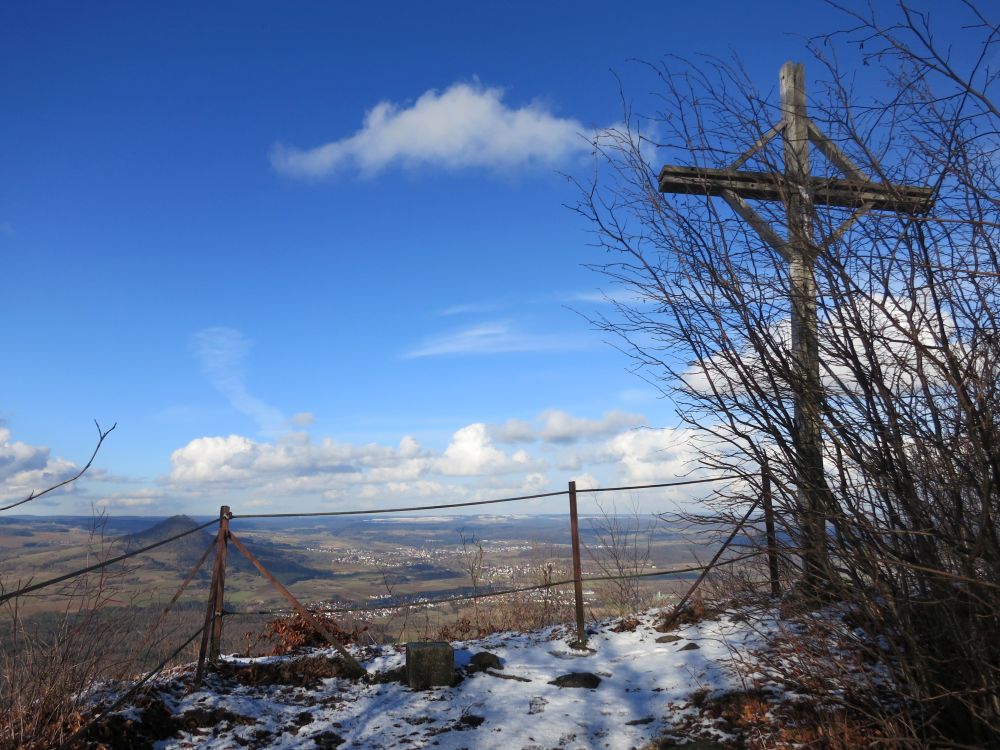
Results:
<point x="800" y="191"/>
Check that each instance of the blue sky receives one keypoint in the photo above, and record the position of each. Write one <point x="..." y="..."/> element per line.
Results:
<point x="317" y="254"/>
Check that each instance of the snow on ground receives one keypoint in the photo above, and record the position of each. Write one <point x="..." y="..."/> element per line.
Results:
<point x="639" y="678"/>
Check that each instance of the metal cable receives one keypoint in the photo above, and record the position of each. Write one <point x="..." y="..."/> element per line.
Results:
<point x="59" y="579"/>
<point x="102" y="564"/>
<point x="445" y="506"/>
<point x="522" y="589"/>
<point x="399" y="510"/>
<point x="664" y="484"/>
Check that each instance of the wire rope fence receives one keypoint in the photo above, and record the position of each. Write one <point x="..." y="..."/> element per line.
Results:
<point x="6" y="596"/>
<point x="319" y="618"/>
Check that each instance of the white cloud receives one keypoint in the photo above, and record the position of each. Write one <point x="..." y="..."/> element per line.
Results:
<point x="897" y="329"/>
<point x="493" y="338"/>
<point x="295" y="465"/>
<point x="561" y="427"/>
<point x="239" y="459"/>
<point x="514" y="431"/>
<point x="25" y="468"/>
<point x="466" y="125"/>
<point x="653" y="456"/>
<point x="300" y="472"/>
<point x="472" y="453"/>
<point x="586" y="481"/>
<point x="303" y="418"/>
<point x="222" y="352"/>
<point x="556" y="426"/>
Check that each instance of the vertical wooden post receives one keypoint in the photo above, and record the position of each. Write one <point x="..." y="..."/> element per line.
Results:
<point x="807" y="385"/>
<point x="219" y="583"/>
<point x="772" y="539"/>
<point x="574" y="527"/>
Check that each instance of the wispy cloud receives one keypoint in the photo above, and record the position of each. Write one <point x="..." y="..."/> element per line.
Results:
<point x="466" y="125"/>
<point x="617" y="297"/>
<point x="222" y="352"/>
<point x="596" y="297"/>
<point x="493" y="338"/>
<point x="467" y="309"/>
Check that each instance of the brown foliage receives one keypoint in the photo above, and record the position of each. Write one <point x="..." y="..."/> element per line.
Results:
<point x="291" y="634"/>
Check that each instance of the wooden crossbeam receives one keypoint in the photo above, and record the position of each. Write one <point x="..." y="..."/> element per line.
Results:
<point x="849" y="193"/>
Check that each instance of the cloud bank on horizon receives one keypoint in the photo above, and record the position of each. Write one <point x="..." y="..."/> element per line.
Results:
<point x="540" y="455"/>
<point x="467" y="125"/>
<point x="295" y="471"/>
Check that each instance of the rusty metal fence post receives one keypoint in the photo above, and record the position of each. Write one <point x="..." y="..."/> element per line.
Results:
<point x="211" y="633"/>
<point x="574" y="526"/>
<point x="219" y="583"/>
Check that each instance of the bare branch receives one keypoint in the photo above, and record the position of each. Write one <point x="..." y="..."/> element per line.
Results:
<point x="101" y="435"/>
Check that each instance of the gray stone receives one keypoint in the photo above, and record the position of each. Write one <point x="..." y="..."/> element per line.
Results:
<point x="429" y="664"/>
<point x="577" y="680"/>
<point x="482" y="661"/>
<point x="669" y="639"/>
<point x="690" y="647"/>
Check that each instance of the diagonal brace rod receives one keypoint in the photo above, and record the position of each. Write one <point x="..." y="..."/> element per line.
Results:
<point x="305" y="613"/>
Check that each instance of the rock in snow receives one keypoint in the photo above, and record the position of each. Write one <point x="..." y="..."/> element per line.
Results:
<point x="577" y="680"/>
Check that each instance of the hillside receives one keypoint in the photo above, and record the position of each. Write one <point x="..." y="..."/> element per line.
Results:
<point x="705" y="680"/>
<point x="182" y="554"/>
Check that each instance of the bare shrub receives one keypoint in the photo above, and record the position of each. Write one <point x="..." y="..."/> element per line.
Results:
<point x="539" y="607"/>
<point x="908" y="308"/>
<point x="471" y="556"/>
<point x="49" y="664"/>
<point x="384" y="629"/>
<point x="621" y="551"/>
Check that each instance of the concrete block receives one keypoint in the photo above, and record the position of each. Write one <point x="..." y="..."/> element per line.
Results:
<point x="429" y="664"/>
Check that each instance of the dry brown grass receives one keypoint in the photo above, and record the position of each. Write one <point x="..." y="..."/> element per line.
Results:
<point x="47" y="673"/>
<point x="759" y="721"/>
